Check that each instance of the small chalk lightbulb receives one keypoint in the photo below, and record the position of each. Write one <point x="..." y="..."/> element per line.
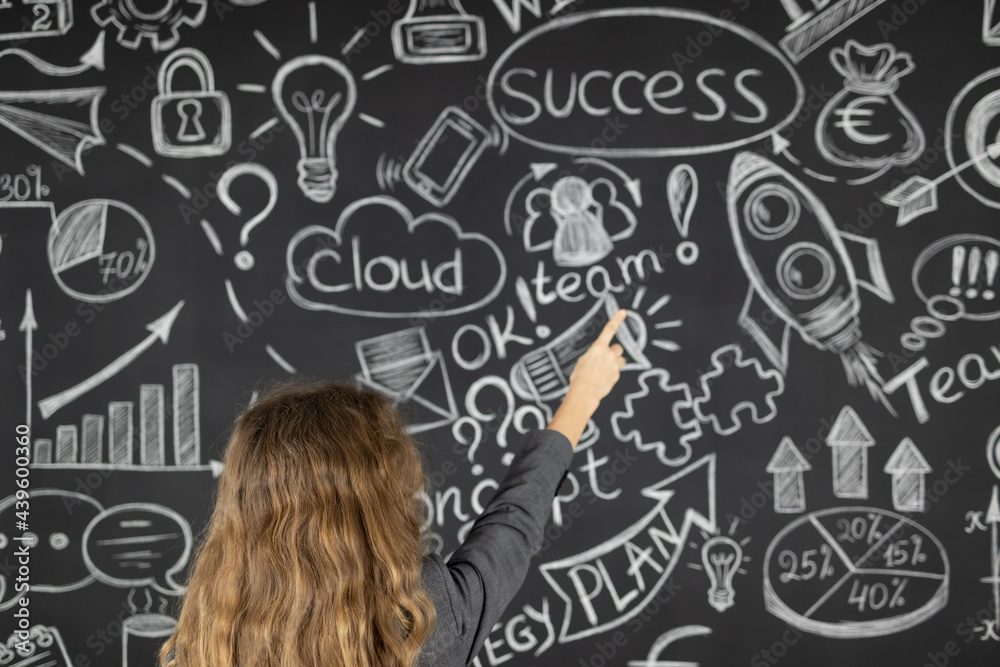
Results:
<point x="722" y="557"/>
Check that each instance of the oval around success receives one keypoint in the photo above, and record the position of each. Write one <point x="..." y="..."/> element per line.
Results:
<point x="590" y="84"/>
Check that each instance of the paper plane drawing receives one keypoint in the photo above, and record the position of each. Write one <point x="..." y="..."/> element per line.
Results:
<point x="63" y="123"/>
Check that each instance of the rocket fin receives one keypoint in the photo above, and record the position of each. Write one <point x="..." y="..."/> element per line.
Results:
<point x="864" y="253"/>
<point x="757" y="319"/>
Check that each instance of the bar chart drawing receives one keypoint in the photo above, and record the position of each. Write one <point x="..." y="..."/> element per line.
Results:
<point x="132" y="446"/>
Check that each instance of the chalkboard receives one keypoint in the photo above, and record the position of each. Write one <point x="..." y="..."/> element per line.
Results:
<point x="796" y="201"/>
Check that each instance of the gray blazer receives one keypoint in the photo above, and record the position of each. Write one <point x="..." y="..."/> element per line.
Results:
<point x="472" y="590"/>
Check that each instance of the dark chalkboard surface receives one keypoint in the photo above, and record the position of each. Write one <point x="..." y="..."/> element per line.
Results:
<point x="796" y="200"/>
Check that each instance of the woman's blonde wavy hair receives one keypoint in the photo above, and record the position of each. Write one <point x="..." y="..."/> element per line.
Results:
<point x="312" y="556"/>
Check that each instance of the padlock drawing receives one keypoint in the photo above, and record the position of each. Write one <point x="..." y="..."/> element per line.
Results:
<point x="190" y="123"/>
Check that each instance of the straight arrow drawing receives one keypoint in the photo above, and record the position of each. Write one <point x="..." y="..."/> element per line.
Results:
<point x="213" y="466"/>
<point x="908" y="468"/>
<point x="28" y="326"/>
<point x="993" y="518"/>
<point x="849" y="441"/>
<point x="93" y="58"/>
<point x="787" y="466"/>
<point x="159" y="330"/>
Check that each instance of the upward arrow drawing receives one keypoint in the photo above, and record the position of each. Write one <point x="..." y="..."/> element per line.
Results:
<point x="993" y="518"/>
<point x="787" y="466"/>
<point x="594" y="585"/>
<point x="908" y="468"/>
<point x="159" y="330"/>
<point x="849" y="440"/>
<point x="28" y="326"/>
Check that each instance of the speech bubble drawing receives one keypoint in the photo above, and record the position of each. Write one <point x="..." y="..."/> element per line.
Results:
<point x="138" y="544"/>
<point x="56" y="551"/>
<point x="379" y="252"/>
<point x="592" y="84"/>
<point x="962" y="270"/>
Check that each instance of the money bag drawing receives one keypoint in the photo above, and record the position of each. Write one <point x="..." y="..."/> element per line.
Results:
<point x="865" y="125"/>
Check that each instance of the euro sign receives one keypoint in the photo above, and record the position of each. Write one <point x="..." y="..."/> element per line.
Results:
<point x="856" y="114"/>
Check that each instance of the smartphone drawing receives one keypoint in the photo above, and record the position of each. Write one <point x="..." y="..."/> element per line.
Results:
<point x="445" y="155"/>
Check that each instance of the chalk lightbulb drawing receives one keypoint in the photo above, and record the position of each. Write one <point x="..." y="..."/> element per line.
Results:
<point x="722" y="557"/>
<point x="315" y="95"/>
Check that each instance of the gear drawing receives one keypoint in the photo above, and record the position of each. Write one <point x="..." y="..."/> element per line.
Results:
<point x="160" y="26"/>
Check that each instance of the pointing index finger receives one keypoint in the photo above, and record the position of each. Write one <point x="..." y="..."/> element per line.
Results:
<point x="608" y="332"/>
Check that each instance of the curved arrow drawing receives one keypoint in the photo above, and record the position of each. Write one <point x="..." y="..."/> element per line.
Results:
<point x="159" y="330"/>
<point x="93" y="58"/>
<point x="656" y="541"/>
<point x="631" y="184"/>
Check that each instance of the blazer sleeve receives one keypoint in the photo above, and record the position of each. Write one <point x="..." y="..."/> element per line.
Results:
<point x="486" y="571"/>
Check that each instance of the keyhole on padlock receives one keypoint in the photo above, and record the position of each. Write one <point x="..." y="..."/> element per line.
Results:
<point x="191" y="129"/>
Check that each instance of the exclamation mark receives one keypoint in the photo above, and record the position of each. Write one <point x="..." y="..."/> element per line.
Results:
<point x="524" y="296"/>
<point x="992" y="262"/>
<point x="957" y="264"/>
<point x="975" y="256"/>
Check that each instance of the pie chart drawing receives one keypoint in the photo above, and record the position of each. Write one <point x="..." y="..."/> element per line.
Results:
<point x="854" y="572"/>
<point x="100" y="250"/>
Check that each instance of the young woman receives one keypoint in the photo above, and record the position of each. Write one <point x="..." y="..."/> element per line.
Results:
<point x="313" y="558"/>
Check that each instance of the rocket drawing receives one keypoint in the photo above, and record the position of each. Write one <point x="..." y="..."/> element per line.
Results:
<point x="801" y="270"/>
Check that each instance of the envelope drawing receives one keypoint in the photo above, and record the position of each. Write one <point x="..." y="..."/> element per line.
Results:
<point x="402" y="366"/>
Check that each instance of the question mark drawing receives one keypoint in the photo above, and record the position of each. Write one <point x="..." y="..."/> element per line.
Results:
<point x="682" y="195"/>
<point x="244" y="260"/>
<point x="477" y="437"/>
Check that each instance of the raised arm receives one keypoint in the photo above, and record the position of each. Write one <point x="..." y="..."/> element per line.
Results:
<point x="595" y="373"/>
<point x="473" y="589"/>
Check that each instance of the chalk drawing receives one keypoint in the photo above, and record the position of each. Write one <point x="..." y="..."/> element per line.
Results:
<point x="653" y="658"/>
<point x="38" y="645"/>
<point x="849" y="441"/>
<point x="67" y="126"/>
<point x="23" y="19"/>
<point x="402" y="366"/>
<point x="438" y="31"/>
<point x="367" y="283"/>
<point x="810" y="28"/>
<point x="801" y="273"/>
<point x="190" y="123"/>
<point x="606" y="585"/>
<point x="160" y="27"/>
<point x="136" y="544"/>
<point x="315" y="96"/>
<point x="908" y="468"/>
<point x="787" y="465"/>
<point x="677" y="395"/>
<point x="865" y="125"/>
<point x="92" y="58"/>
<point x="852" y="572"/>
<point x="731" y="375"/>
<point x="436" y="173"/>
<point x="159" y="331"/>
